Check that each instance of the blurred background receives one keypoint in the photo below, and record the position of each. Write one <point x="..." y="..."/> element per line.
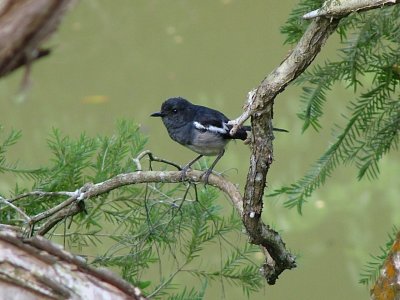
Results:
<point x="121" y="59"/>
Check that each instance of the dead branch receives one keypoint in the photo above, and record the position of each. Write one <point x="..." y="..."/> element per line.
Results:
<point x="39" y="269"/>
<point x="261" y="111"/>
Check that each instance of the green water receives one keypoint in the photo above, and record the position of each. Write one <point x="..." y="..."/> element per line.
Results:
<point x="121" y="59"/>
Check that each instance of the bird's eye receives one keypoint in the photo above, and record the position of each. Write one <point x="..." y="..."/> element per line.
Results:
<point x="174" y="110"/>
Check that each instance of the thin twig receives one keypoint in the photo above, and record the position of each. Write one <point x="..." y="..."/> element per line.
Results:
<point x="40" y="194"/>
<point x="26" y="217"/>
<point x="239" y="121"/>
<point x="152" y="158"/>
<point x="53" y="210"/>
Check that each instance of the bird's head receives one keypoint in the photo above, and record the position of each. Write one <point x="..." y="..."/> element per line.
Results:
<point x="175" y="112"/>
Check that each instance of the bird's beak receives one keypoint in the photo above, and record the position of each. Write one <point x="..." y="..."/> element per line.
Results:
<point x="157" y="114"/>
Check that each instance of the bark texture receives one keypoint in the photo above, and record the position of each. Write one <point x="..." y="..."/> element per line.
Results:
<point x="36" y="268"/>
<point x="387" y="286"/>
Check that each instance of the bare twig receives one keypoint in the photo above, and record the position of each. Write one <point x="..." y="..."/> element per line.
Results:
<point x="54" y="219"/>
<point x="40" y="194"/>
<point x="23" y="214"/>
<point x="239" y="121"/>
<point x="77" y="195"/>
<point x="152" y="158"/>
<point x="339" y="9"/>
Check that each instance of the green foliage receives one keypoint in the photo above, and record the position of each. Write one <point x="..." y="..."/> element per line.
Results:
<point x="154" y="235"/>
<point x="369" y="64"/>
<point x="369" y="60"/>
<point x="6" y="143"/>
<point x="372" y="268"/>
<point x="238" y="270"/>
<point x="191" y="294"/>
<point x="295" y="25"/>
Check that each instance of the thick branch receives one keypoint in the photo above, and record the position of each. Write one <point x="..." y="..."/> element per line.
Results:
<point x="262" y="151"/>
<point x="39" y="269"/>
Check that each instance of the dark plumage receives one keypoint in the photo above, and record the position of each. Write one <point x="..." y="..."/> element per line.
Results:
<point x="199" y="128"/>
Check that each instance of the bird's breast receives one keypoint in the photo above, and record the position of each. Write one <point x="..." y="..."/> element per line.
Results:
<point x="207" y="143"/>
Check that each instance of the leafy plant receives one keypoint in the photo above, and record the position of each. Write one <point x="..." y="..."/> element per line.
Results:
<point x="369" y="63"/>
<point x="151" y="234"/>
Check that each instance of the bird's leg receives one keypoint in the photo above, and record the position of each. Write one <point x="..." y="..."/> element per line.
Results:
<point x="207" y="173"/>
<point x="187" y="167"/>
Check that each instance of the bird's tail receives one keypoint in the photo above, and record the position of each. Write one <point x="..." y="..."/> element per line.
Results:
<point x="248" y="128"/>
<point x="280" y="129"/>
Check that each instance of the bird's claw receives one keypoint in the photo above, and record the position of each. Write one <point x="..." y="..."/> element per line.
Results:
<point x="205" y="175"/>
<point x="183" y="173"/>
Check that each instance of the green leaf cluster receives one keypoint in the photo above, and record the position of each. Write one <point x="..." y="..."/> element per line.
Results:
<point x="295" y="26"/>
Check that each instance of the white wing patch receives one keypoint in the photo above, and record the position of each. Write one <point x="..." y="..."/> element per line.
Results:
<point x="211" y="128"/>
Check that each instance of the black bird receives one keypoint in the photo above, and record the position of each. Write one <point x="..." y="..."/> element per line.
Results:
<point x="201" y="129"/>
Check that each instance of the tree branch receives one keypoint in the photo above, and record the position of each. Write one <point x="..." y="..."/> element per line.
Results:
<point x="71" y="206"/>
<point x="339" y="9"/>
<point x="261" y="112"/>
<point x="37" y="268"/>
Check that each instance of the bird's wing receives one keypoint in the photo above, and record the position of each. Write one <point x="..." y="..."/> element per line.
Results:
<point x="211" y="120"/>
<point x="214" y="121"/>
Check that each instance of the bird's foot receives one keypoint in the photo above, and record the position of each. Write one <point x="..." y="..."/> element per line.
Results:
<point x="183" y="172"/>
<point x="205" y="175"/>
